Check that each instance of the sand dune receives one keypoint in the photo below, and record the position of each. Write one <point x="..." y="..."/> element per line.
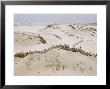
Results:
<point x="37" y="51"/>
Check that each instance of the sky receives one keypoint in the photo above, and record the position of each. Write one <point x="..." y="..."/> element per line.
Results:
<point x="54" y="18"/>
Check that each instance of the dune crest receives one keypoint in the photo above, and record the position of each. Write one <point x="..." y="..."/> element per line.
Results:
<point x="55" y="49"/>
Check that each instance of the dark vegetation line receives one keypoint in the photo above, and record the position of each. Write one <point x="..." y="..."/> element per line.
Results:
<point x="42" y="40"/>
<point x="72" y="26"/>
<point x="49" y="26"/>
<point x="64" y="47"/>
<point x="33" y="37"/>
<point x="56" y="36"/>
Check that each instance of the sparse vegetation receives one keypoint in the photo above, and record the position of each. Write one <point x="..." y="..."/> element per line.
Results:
<point x="64" y="47"/>
<point x="42" y="39"/>
<point x="56" y="28"/>
<point x="78" y="42"/>
<point x="92" y="35"/>
<point x="72" y="26"/>
<point x="57" y="36"/>
<point x="71" y="34"/>
<point x="49" y="26"/>
<point x="21" y="55"/>
<point x="65" y="56"/>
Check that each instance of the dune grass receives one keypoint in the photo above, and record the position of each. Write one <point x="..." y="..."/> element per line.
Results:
<point x="64" y="47"/>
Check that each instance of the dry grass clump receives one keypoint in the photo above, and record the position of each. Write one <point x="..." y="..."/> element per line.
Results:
<point x="21" y="55"/>
<point x="57" y="36"/>
<point x="49" y="26"/>
<point x="72" y="26"/>
<point x="54" y="65"/>
<point x="42" y="40"/>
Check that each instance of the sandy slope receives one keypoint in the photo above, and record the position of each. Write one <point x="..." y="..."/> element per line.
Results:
<point x="56" y="61"/>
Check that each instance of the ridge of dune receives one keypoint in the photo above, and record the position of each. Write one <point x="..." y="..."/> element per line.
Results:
<point x="55" y="49"/>
<point x="64" y="47"/>
<point x="62" y="35"/>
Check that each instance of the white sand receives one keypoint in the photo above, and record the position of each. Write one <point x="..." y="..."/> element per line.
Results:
<point x="56" y="61"/>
